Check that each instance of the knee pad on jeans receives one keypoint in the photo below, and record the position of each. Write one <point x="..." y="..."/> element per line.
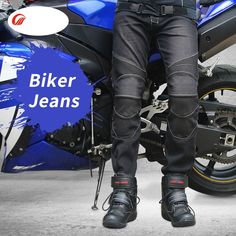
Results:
<point x="182" y="77"/>
<point x="127" y="79"/>
<point x="126" y="120"/>
<point x="183" y="116"/>
<point x="128" y="82"/>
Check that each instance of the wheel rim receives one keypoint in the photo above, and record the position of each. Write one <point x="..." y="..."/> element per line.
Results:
<point x="211" y="170"/>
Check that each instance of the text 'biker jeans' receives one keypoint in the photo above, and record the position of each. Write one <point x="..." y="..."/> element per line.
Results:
<point x="176" y="38"/>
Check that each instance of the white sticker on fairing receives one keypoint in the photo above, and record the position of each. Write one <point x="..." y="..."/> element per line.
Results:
<point x="8" y="70"/>
<point x="6" y="115"/>
<point x="27" y="167"/>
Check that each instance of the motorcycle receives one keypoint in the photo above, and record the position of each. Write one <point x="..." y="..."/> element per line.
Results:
<point x="87" y="40"/>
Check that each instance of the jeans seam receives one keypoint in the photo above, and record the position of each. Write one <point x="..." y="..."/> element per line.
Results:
<point x="127" y="61"/>
<point x="182" y="60"/>
<point x="184" y="95"/>
<point x="186" y="115"/>
<point x="126" y="138"/>
<point x="125" y="117"/>
<point x="135" y="75"/>
<point x="184" y="64"/>
<point x="180" y="138"/>
<point x="128" y="96"/>
<point x="184" y="72"/>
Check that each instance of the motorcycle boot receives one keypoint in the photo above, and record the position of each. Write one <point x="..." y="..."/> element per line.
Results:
<point x="174" y="204"/>
<point x="123" y="202"/>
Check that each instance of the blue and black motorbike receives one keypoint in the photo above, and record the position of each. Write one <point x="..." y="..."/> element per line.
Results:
<point x="87" y="40"/>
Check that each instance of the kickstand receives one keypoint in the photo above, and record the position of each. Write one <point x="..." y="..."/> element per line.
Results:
<point x="100" y="177"/>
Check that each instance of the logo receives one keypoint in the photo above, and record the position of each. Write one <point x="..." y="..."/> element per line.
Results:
<point x="18" y="19"/>
<point x="41" y="21"/>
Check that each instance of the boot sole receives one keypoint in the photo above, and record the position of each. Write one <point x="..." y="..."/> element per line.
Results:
<point x="182" y="223"/>
<point x="113" y="225"/>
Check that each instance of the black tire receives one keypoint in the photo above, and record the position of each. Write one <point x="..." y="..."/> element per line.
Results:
<point x="224" y="76"/>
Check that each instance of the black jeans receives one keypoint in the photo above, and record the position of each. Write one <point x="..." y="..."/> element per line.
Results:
<point x="176" y="38"/>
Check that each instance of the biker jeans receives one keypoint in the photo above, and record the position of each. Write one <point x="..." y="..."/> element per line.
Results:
<point x="176" y="39"/>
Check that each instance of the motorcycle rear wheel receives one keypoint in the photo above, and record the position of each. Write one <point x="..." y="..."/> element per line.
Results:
<point x="207" y="176"/>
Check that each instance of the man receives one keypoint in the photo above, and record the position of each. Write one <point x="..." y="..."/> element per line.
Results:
<point x="171" y="23"/>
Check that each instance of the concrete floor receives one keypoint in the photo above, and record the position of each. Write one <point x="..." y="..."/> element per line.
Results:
<point x="59" y="203"/>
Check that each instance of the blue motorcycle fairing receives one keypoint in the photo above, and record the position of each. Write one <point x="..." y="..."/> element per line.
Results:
<point x="216" y="10"/>
<point x="39" y="155"/>
<point x="15" y="50"/>
<point x="44" y="156"/>
<point x="98" y="13"/>
<point x="154" y="57"/>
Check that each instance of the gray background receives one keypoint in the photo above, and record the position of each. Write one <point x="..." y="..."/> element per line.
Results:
<point x="59" y="202"/>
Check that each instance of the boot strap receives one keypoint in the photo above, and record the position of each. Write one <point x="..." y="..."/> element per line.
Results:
<point x="121" y="197"/>
<point x="174" y="196"/>
<point x="118" y="197"/>
<point x="176" y="181"/>
<point x="123" y="182"/>
<point x="177" y="196"/>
